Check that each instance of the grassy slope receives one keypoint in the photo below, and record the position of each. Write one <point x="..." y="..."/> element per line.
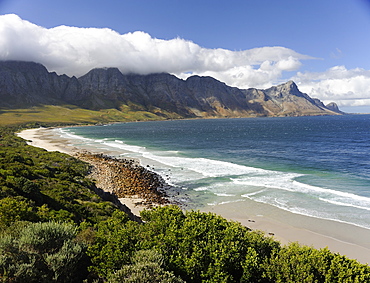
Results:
<point x="70" y="114"/>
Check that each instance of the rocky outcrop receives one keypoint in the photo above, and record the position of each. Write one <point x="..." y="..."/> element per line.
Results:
<point x="24" y="84"/>
<point x="287" y="100"/>
<point x="125" y="178"/>
<point x="334" y="107"/>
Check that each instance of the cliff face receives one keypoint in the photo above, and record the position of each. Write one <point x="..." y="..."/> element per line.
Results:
<point x="24" y="84"/>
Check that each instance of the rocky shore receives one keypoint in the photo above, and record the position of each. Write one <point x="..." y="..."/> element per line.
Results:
<point x="126" y="178"/>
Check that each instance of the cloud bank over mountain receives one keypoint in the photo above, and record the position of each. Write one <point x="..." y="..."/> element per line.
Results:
<point x="74" y="51"/>
<point x="347" y="87"/>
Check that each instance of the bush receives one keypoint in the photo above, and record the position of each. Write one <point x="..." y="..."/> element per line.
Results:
<point x="204" y="247"/>
<point x="42" y="252"/>
<point x="146" y="267"/>
<point x="114" y="242"/>
<point x="53" y="179"/>
<point x="12" y="210"/>
<point x="296" y="263"/>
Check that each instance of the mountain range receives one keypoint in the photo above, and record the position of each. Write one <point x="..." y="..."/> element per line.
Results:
<point x="27" y="84"/>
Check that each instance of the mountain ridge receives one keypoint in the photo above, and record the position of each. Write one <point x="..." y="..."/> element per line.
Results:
<point x="25" y="84"/>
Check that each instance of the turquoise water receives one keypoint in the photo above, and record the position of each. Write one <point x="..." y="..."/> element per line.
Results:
<point x="315" y="166"/>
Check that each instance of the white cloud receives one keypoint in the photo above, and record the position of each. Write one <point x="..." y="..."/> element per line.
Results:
<point x="75" y="51"/>
<point x="346" y="87"/>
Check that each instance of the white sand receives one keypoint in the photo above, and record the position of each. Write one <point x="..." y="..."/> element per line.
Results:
<point x="46" y="139"/>
<point x="134" y="204"/>
<point x="286" y="227"/>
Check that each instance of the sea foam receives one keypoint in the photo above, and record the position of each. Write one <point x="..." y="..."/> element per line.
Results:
<point x="302" y="177"/>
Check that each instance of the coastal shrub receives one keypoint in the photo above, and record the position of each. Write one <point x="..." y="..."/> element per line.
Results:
<point x="252" y="267"/>
<point x="203" y="247"/>
<point x="146" y="267"/>
<point x="346" y="270"/>
<point x="54" y="180"/>
<point x="296" y="263"/>
<point x="43" y="252"/>
<point x="114" y="241"/>
<point x="198" y="247"/>
<point x="12" y="210"/>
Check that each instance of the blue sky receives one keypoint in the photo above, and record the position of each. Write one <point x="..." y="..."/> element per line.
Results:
<point x="322" y="45"/>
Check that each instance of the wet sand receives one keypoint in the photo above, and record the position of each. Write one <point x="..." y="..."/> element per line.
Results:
<point x="284" y="226"/>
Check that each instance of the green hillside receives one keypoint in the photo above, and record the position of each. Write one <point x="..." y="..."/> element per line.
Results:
<point x="70" y="114"/>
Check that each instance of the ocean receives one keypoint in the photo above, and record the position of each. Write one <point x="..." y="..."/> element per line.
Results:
<point x="313" y="166"/>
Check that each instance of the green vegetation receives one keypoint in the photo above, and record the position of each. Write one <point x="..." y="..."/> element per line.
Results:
<point x="37" y="185"/>
<point x="43" y="252"/>
<point x="70" y="114"/>
<point x="55" y="228"/>
<point x="147" y="266"/>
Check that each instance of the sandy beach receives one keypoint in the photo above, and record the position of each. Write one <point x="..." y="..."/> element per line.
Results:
<point x="287" y="227"/>
<point x="46" y="139"/>
<point x="284" y="226"/>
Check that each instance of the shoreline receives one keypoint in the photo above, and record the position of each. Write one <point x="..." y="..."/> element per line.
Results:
<point x="286" y="227"/>
<point x="283" y="226"/>
<point x="120" y="176"/>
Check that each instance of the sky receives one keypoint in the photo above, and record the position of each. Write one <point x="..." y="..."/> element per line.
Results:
<point x="322" y="45"/>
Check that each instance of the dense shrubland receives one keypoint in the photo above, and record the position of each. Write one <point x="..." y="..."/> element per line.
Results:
<point x="37" y="185"/>
<point x="54" y="228"/>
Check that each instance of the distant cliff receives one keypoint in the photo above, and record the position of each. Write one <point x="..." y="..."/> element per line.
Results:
<point x="25" y="84"/>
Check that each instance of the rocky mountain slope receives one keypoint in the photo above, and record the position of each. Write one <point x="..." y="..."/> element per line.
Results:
<point x="25" y="84"/>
